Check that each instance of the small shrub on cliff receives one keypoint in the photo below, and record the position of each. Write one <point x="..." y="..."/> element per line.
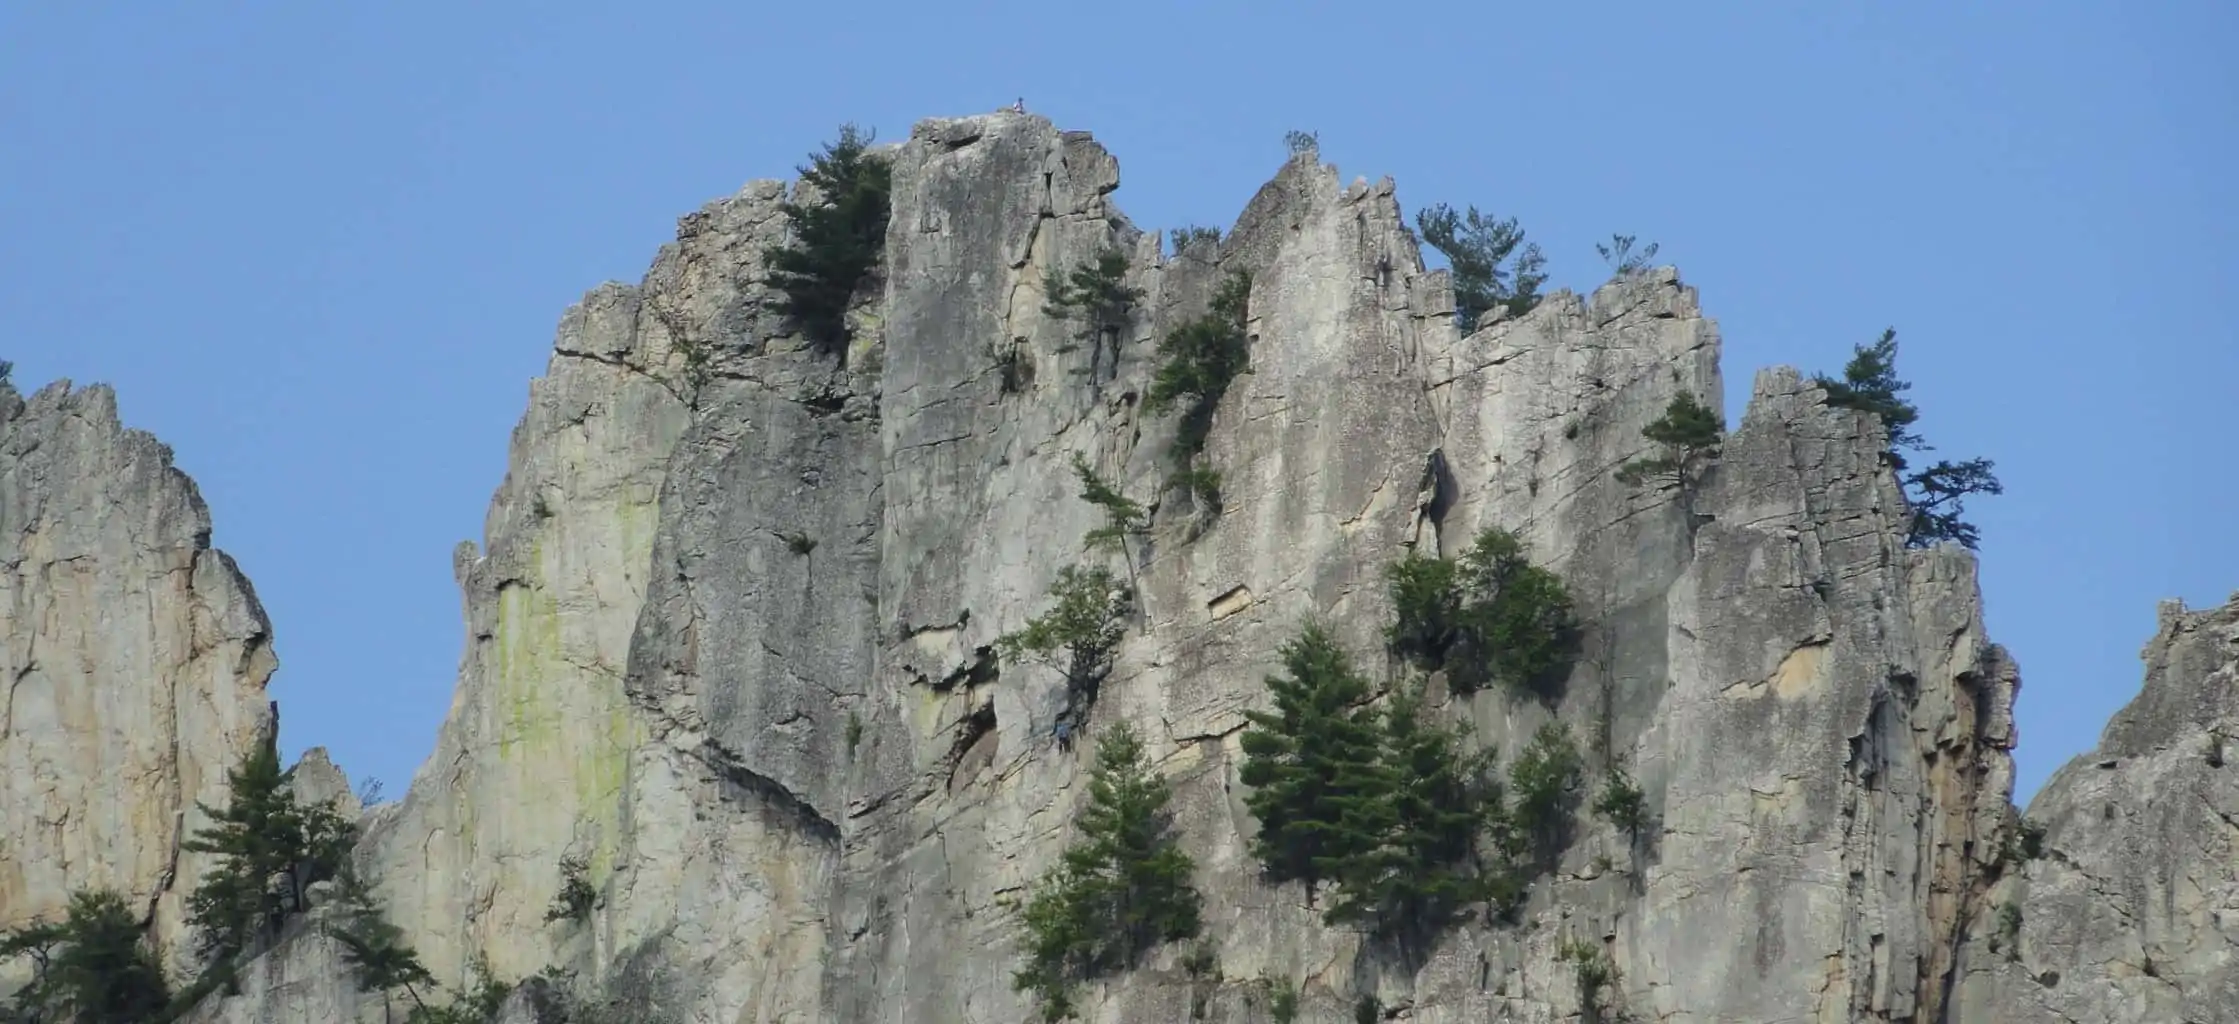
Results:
<point x="1621" y="803"/>
<point x="1623" y="260"/>
<point x="1939" y="493"/>
<point x="574" y="900"/>
<point x="1490" y="262"/>
<point x="261" y="833"/>
<point x="1592" y="971"/>
<point x="1491" y="616"/>
<point x="1121" y="889"/>
<point x="1199" y="360"/>
<point x="1096" y="295"/>
<point x="837" y="242"/>
<point x="92" y="967"/>
<point x="1544" y="783"/>
<point x="1687" y="430"/>
<point x="1080" y="634"/>
<point x="1182" y="238"/>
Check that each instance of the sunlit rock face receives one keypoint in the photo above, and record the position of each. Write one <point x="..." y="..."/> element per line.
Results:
<point x="731" y="634"/>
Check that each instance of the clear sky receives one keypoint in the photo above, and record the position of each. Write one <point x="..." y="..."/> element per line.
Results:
<point x="321" y="249"/>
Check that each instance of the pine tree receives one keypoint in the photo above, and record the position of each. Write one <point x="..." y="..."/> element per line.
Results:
<point x="93" y="967"/>
<point x="1938" y="493"/>
<point x="1545" y="781"/>
<point x="1200" y="359"/>
<point x="1869" y="383"/>
<point x="1686" y="430"/>
<point x="1308" y="760"/>
<point x="1429" y="804"/>
<point x="1939" y="496"/>
<point x="1080" y="634"/>
<point x="1123" y="516"/>
<point x="837" y="242"/>
<point x="1518" y="626"/>
<point x="262" y="832"/>
<point x="379" y="957"/>
<point x="1096" y="293"/>
<point x="1476" y="247"/>
<point x="1119" y="891"/>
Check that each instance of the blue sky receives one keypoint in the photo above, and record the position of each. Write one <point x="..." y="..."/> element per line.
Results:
<point x="320" y="249"/>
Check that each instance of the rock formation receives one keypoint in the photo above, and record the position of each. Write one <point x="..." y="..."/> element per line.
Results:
<point x="731" y="648"/>
<point x="134" y="655"/>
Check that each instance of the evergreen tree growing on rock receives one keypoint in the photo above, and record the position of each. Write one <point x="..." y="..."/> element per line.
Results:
<point x="1686" y="431"/>
<point x="1938" y="494"/>
<point x="1492" y="265"/>
<point x="1491" y="616"/>
<point x="1316" y="755"/>
<point x="1199" y="360"/>
<point x="837" y="241"/>
<point x="1120" y="890"/>
<point x="92" y="967"/>
<point x="263" y="834"/>
<point x="1429" y="803"/>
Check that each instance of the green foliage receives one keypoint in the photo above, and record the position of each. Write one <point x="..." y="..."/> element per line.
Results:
<point x="1687" y="429"/>
<point x="1367" y="1009"/>
<point x="1421" y="816"/>
<point x="1491" y="617"/>
<point x="854" y="732"/>
<point x="1544" y="786"/>
<point x="1182" y="238"/>
<point x="1121" y="889"/>
<point x="1938" y="493"/>
<point x="1084" y="629"/>
<point x="1870" y="384"/>
<point x="1315" y="755"/>
<point x="7" y="372"/>
<point x="377" y="954"/>
<point x="1198" y="361"/>
<point x="92" y="967"/>
<point x="1939" y="501"/>
<point x="1282" y="1000"/>
<point x="262" y="831"/>
<point x="2007" y="937"/>
<point x="1123" y="516"/>
<point x="1622" y="259"/>
<point x="1593" y="971"/>
<point x="2024" y="842"/>
<point x="1301" y="142"/>
<point x="835" y="243"/>
<point x="1491" y="263"/>
<point x="1202" y="483"/>
<point x="1388" y="807"/>
<point x="576" y="897"/>
<point x="1096" y="294"/>
<point x="1621" y="803"/>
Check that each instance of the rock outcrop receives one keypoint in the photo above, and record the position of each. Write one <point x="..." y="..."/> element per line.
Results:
<point x="134" y="657"/>
<point x="2127" y="907"/>
<point x="731" y="649"/>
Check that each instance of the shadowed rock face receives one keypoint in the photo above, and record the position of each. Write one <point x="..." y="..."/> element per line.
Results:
<point x="730" y="641"/>
<point x="134" y="657"/>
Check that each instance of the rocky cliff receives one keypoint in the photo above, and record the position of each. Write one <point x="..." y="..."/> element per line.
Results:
<point x="730" y="646"/>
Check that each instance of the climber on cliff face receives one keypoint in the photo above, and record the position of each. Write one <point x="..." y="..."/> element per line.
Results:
<point x="1064" y="733"/>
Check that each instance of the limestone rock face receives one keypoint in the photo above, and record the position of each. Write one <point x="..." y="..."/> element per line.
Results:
<point x="134" y="657"/>
<point x="730" y="650"/>
<point x="2131" y="912"/>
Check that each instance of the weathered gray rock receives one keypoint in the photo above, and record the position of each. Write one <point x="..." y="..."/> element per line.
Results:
<point x="731" y="647"/>
<point x="2132" y="911"/>
<point x="135" y="657"/>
